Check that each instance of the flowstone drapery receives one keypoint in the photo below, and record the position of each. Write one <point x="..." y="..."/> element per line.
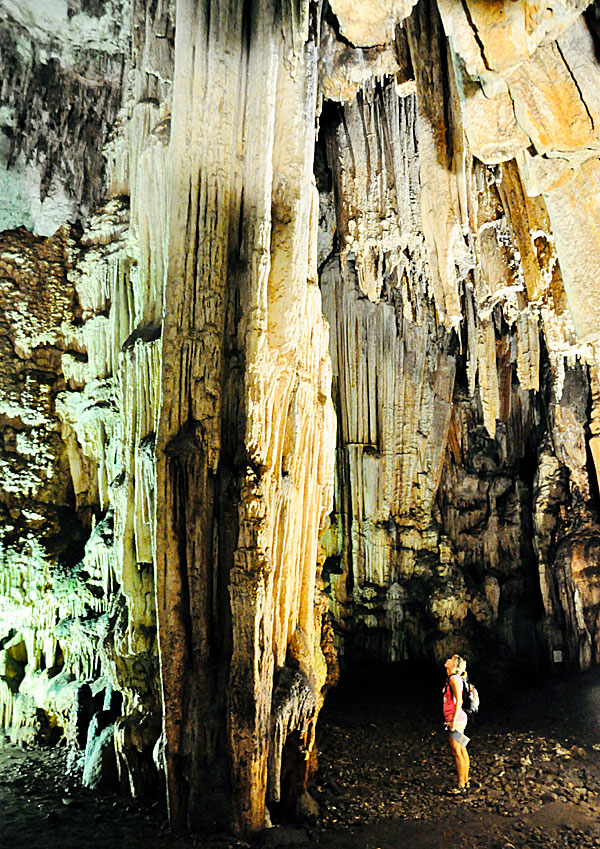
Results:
<point x="243" y="475"/>
<point x="455" y="334"/>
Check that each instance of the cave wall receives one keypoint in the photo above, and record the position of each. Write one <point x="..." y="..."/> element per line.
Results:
<point x="455" y="343"/>
<point x="233" y="234"/>
<point x="82" y="300"/>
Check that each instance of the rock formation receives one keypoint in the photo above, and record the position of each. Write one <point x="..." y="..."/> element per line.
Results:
<point x="300" y="362"/>
<point x="455" y="341"/>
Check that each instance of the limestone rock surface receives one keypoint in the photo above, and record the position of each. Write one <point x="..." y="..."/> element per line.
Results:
<point x="300" y="367"/>
<point x="369" y="22"/>
<point x="470" y="227"/>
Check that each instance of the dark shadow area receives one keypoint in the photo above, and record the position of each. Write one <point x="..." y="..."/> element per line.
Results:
<point x="380" y="689"/>
<point x="385" y="766"/>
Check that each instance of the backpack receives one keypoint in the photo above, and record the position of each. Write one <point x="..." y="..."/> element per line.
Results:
<point x="470" y="700"/>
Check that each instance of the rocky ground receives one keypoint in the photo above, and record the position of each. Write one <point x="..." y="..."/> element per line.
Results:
<point x="384" y="772"/>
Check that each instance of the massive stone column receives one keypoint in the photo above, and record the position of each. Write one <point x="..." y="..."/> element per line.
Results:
<point x="244" y="450"/>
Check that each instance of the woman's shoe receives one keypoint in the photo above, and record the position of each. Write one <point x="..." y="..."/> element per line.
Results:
<point x="457" y="791"/>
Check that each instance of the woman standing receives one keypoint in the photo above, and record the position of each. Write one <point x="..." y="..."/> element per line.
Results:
<point x="456" y="719"/>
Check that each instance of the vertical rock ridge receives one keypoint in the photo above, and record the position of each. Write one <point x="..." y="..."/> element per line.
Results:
<point x="241" y="296"/>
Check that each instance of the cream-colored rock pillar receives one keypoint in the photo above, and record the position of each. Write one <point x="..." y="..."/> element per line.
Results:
<point x="203" y="147"/>
<point x="246" y="439"/>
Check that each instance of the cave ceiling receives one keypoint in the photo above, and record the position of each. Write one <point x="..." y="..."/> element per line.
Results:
<point x="300" y="349"/>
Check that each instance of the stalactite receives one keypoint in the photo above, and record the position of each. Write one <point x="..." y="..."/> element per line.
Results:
<point x="528" y="350"/>
<point x="7" y="705"/>
<point x="294" y="713"/>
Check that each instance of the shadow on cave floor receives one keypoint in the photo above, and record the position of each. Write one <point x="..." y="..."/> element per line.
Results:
<point x="384" y="769"/>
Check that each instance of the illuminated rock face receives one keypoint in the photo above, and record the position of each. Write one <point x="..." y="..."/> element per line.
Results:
<point x="244" y="476"/>
<point x="79" y="399"/>
<point x="38" y="511"/>
<point x="464" y="351"/>
<point x="222" y="233"/>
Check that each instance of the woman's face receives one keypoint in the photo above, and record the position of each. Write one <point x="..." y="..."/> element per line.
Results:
<point x="449" y="666"/>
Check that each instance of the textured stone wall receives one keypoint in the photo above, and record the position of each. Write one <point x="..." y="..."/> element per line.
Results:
<point x="40" y="524"/>
<point x="83" y="308"/>
<point x="62" y="68"/>
<point x="458" y="335"/>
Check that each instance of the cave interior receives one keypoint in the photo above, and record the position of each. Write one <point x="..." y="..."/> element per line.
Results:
<point x="385" y="219"/>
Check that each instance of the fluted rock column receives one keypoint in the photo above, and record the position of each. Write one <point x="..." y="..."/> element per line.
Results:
<point x="245" y="443"/>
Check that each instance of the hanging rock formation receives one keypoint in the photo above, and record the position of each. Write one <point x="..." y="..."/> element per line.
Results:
<point x="454" y="337"/>
<point x="233" y="234"/>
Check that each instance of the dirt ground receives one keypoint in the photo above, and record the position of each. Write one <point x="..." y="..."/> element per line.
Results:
<point x="384" y="771"/>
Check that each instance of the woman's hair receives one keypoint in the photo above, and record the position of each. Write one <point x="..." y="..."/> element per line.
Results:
<point x="459" y="665"/>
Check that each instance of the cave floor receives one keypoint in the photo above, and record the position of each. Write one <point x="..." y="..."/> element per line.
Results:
<point x="384" y="771"/>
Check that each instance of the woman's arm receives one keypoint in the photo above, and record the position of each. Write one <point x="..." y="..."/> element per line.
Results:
<point x="457" y="691"/>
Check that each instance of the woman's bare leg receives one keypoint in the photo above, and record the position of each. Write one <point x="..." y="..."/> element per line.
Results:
<point x="461" y="759"/>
